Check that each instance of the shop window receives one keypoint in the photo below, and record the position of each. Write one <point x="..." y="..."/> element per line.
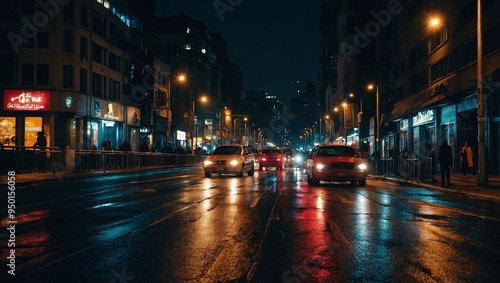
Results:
<point x="32" y="125"/>
<point x="8" y="131"/>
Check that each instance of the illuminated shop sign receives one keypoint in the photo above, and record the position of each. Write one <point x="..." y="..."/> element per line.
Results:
<point x="423" y="117"/>
<point x="69" y="101"/>
<point x="26" y="100"/>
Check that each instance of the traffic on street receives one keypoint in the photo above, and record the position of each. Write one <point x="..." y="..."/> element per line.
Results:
<point x="176" y="225"/>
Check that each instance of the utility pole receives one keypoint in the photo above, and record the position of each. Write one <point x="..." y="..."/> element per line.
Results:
<point x="482" y="177"/>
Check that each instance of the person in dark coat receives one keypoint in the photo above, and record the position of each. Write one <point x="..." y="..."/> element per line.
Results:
<point x="40" y="144"/>
<point x="445" y="159"/>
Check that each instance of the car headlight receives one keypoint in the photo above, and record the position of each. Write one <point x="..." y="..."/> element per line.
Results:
<point x="362" y="166"/>
<point x="208" y="162"/>
<point x="298" y="158"/>
<point x="234" y="162"/>
<point x="320" y="166"/>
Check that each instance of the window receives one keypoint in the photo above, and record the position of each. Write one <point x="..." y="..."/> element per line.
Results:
<point x="465" y="54"/>
<point x="417" y="53"/>
<point x="99" y="24"/>
<point x="8" y="131"/>
<point x="114" y="61"/>
<point x="32" y="125"/>
<point x="114" y="34"/>
<point x="83" y="80"/>
<point x="439" y="37"/>
<point x="97" y="85"/>
<point x="68" y="41"/>
<point x="68" y="12"/>
<point x="97" y="52"/>
<point x="84" y="17"/>
<point x="441" y="68"/>
<point x="6" y="12"/>
<point x="419" y="81"/>
<point x="83" y="47"/>
<point x="114" y="90"/>
<point x="42" y="74"/>
<point x="27" y="7"/>
<point x="28" y="74"/>
<point x="67" y="76"/>
<point x="42" y="40"/>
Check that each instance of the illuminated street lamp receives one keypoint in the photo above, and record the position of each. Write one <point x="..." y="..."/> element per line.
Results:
<point x="377" y="142"/>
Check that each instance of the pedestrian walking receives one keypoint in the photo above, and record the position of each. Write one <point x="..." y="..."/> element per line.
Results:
<point x="466" y="159"/>
<point x="445" y="159"/>
<point x="40" y="154"/>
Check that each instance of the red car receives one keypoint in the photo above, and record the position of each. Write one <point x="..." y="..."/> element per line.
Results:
<point x="271" y="157"/>
<point x="336" y="163"/>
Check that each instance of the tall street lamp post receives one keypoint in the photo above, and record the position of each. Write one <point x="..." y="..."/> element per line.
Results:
<point x="202" y="99"/>
<point x="482" y="177"/>
<point x="377" y="138"/>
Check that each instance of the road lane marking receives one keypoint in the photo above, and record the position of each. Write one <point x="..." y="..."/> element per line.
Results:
<point x="257" y="199"/>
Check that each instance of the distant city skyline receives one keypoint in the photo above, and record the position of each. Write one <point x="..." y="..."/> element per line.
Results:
<point x="275" y="44"/>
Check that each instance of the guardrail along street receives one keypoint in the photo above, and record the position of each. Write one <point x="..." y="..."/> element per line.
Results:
<point x="30" y="159"/>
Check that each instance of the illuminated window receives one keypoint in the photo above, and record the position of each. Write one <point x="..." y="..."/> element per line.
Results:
<point x="32" y="125"/>
<point x="8" y="131"/>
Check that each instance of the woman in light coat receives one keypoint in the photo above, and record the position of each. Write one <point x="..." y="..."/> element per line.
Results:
<point x="466" y="159"/>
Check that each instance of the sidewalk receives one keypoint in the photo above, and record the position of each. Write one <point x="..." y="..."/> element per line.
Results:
<point x="459" y="183"/>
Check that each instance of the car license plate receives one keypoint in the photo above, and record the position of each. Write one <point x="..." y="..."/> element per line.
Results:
<point x="220" y="168"/>
<point x="341" y="174"/>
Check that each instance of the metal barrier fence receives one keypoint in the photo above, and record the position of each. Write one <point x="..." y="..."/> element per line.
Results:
<point x="29" y="159"/>
<point x="422" y="169"/>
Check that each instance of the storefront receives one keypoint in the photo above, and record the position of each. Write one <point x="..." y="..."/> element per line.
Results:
<point x="105" y="124"/>
<point x="403" y="135"/>
<point x="423" y="134"/>
<point x="25" y="113"/>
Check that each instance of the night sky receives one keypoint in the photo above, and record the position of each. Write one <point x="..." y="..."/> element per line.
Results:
<point x="275" y="42"/>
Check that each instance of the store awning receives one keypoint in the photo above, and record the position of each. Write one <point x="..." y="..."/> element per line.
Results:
<point x="410" y="106"/>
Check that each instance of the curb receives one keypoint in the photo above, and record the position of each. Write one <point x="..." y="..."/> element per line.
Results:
<point x="438" y="188"/>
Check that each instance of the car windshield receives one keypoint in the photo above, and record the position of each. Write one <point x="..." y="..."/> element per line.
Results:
<point x="227" y="150"/>
<point x="271" y="152"/>
<point x="337" y="151"/>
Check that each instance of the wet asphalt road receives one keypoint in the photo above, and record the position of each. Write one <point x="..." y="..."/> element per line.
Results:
<point x="175" y="225"/>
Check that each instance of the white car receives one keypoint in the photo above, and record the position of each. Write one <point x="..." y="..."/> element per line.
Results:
<point x="230" y="159"/>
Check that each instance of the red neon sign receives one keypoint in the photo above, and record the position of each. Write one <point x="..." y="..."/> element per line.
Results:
<point x="26" y="100"/>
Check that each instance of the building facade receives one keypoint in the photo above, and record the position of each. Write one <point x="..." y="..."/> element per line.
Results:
<point x="66" y="71"/>
<point x="426" y="75"/>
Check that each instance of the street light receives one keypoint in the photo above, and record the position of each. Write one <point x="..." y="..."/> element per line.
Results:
<point x="360" y="113"/>
<point x="245" y="131"/>
<point x="342" y="120"/>
<point x="202" y="99"/>
<point x="482" y="177"/>
<point x="310" y="135"/>
<point x="377" y="142"/>
<point x="234" y="129"/>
